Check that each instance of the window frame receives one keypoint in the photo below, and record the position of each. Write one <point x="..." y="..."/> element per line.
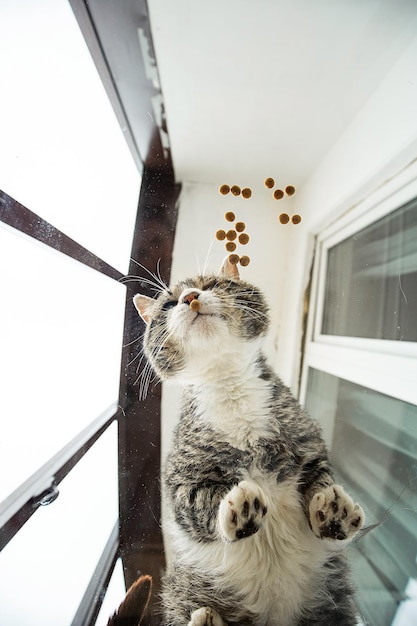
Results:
<point x="136" y="537"/>
<point x="387" y="366"/>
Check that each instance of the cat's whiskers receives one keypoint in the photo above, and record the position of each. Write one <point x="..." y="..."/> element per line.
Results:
<point x="235" y="303"/>
<point x="207" y="259"/>
<point x="133" y="360"/>
<point x="157" y="277"/>
<point x="132" y="278"/>
<point x="126" y="345"/>
<point x="148" y="376"/>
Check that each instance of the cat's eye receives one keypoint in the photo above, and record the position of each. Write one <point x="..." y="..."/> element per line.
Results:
<point x="169" y="305"/>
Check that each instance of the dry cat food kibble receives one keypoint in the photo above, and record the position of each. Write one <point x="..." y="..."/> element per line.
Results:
<point x="296" y="219"/>
<point x="284" y="218"/>
<point x="278" y="194"/>
<point x="290" y="190"/>
<point x="243" y="239"/>
<point x="269" y="183"/>
<point x="220" y="235"/>
<point x="234" y="259"/>
<point x="231" y="235"/>
<point x="224" y="190"/>
<point x="230" y="216"/>
<point x="244" y="260"/>
<point x="240" y="227"/>
<point x="246" y="192"/>
<point x="195" y="305"/>
<point x="230" y="246"/>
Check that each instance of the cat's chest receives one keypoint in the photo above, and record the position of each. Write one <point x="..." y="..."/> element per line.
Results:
<point x="239" y="411"/>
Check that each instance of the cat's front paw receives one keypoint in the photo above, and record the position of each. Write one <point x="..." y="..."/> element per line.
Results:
<point x="334" y="515"/>
<point x="205" y="616"/>
<point x="241" y="511"/>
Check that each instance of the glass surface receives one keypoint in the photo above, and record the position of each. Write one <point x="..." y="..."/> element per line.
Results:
<point x="60" y="336"/>
<point x="115" y="593"/>
<point x="62" y="153"/>
<point x="45" y="569"/>
<point x="371" y="283"/>
<point x="373" y="448"/>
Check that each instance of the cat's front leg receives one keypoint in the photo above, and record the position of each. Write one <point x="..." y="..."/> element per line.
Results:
<point x="241" y="511"/>
<point x="334" y="515"/>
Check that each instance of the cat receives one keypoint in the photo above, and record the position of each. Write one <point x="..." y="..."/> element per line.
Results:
<point x="259" y="528"/>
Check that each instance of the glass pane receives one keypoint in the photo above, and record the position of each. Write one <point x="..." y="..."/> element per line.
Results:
<point x="50" y="562"/>
<point x="115" y="593"/>
<point x="371" y="283"/>
<point x="60" y="336"/>
<point x="62" y="152"/>
<point x="373" y="446"/>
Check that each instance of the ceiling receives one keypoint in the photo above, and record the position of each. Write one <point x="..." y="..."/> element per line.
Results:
<point x="266" y="87"/>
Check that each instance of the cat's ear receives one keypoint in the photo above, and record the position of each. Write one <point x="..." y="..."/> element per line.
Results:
<point x="143" y="305"/>
<point x="229" y="270"/>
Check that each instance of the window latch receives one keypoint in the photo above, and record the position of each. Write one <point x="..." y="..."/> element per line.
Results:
<point x="46" y="497"/>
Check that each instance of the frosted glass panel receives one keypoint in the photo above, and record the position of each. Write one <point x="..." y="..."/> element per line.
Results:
<point x="371" y="283"/>
<point x="373" y="445"/>
<point x="45" y="569"/>
<point x="62" y="152"/>
<point x="60" y="336"/>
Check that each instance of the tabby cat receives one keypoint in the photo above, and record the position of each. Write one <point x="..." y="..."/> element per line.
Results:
<point x="258" y="526"/>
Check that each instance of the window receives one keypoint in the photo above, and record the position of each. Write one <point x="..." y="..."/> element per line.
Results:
<point x="359" y="374"/>
<point x="64" y="157"/>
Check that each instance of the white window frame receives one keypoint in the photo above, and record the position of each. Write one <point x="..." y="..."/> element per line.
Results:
<point x="389" y="367"/>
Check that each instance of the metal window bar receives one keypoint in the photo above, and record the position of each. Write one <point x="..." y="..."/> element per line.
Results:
<point x="41" y="488"/>
<point x="19" y="217"/>
<point x="92" y="600"/>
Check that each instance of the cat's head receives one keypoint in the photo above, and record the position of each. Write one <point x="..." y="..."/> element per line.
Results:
<point x="203" y="324"/>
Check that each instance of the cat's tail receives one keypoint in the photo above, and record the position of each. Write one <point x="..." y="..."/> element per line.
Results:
<point x="133" y="607"/>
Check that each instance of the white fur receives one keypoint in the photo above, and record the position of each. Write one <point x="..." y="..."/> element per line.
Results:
<point x="238" y="408"/>
<point x="206" y="616"/>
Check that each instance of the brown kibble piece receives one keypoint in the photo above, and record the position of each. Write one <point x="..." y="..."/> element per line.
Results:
<point x="246" y="192"/>
<point x="230" y="246"/>
<point x="224" y="190"/>
<point x="284" y="218"/>
<point x="243" y="239"/>
<point x="244" y="260"/>
<point x="231" y="235"/>
<point x="220" y="235"/>
<point x="296" y="219"/>
<point x="235" y="190"/>
<point x="230" y="216"/>
<point x="240" y="227"/>
<point x="290" y="190"/>
<point x="269" y="182"/>
<point x="278" y="194"/>
<point x="195" y="305"/>
<point x="234" y="259"/>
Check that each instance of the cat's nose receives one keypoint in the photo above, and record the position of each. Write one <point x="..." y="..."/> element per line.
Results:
<point x="189" y="297"/>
